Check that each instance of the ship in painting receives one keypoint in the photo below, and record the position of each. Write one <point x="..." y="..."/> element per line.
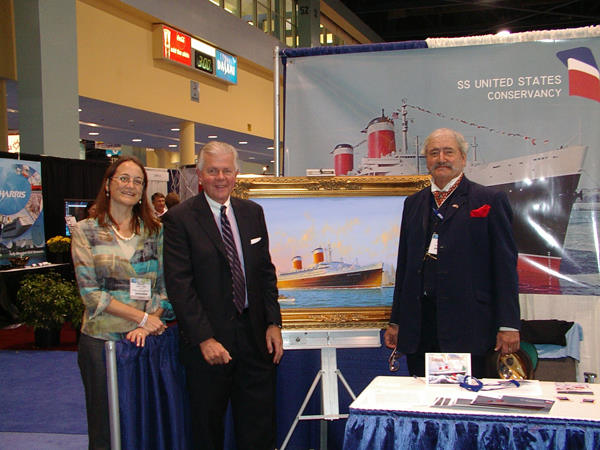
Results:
<point x="541" y="188"/>
<point x="330" y="274"/>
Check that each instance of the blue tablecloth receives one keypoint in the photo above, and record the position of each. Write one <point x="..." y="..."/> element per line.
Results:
<point x="374" y="430"/>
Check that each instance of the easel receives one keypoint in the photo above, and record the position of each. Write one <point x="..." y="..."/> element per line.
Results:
<point x="328" y="341"/>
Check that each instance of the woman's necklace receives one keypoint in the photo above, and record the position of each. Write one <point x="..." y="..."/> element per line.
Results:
<point x="121" y="236"/>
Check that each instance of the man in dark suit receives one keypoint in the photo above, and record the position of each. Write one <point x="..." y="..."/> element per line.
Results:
<point x="223" y="288"/>
<point x="456" y="279"/>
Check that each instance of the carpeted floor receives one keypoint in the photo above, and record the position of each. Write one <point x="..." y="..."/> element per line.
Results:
<point x="42" y="399"/>
<point x="41" y="392"/>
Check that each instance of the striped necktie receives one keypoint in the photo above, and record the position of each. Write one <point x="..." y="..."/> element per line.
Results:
<point x="237" y="276"/>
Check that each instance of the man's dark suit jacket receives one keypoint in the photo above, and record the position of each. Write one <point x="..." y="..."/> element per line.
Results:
<point x="477" y="285"/>
<point x="198" y="277"/>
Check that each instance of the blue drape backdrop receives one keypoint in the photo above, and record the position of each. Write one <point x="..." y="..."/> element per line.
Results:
<point x="152" y="398"/>
<point x="153" y="403"/>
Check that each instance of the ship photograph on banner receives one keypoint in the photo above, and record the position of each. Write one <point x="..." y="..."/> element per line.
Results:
<point x="529" y="112"/>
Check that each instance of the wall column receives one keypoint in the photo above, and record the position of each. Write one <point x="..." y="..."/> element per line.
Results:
<point x="3" y="117"/>
<point x="309" y="21"/>
<point x="175" y="158"/>
<point x="164" y="158"/>
<point x="187" y="147"/>
<point x="46" y="42"/>
<point x="138" y="152"/>
<point x="151" y="158"/>
<point x="8" y="64"/>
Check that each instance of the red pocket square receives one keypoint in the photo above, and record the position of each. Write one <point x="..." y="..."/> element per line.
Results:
<point x="481" y="212"/>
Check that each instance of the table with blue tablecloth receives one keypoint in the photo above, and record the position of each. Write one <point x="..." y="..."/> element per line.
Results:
<point x="396" y="412"/>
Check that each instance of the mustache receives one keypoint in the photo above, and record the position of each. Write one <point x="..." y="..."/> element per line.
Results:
<point x="442" y="164"/>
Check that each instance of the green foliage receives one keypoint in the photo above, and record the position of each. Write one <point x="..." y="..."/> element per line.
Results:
<point x="46" y="300"/>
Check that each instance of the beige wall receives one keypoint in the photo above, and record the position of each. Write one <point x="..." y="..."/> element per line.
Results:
<point x="116" y="65"/>
<point x="8" y="65"/>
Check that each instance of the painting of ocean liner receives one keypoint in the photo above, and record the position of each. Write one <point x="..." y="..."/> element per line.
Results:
<point x="330" y="274"/>
<point x="334" y="251"/>
<point x="541" y="188"/>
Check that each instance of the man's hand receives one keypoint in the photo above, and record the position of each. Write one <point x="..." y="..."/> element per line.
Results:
<point x="507" y="342"/>
<point x="274" y="343"/>
<point x="390" y="338"/>
<point x="214" y="353"/>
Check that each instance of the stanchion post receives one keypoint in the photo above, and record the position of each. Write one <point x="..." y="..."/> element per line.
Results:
<point x="276" y="111"/>
<point x="113" y="395"/>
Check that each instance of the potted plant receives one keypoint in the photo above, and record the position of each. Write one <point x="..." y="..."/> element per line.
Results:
<point x="59" y="248"/>
<point x="46" y="301"/>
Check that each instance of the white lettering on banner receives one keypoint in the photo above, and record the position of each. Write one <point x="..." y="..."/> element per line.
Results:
<point x="12" y="194"/>
<point x="523" y="94"/>
<point x="539" y="86"/>
<point x="542" y="80"/>
<point x="181" y="38"/>
<point x="226" y="67"/>
<point x="494" y="82"/>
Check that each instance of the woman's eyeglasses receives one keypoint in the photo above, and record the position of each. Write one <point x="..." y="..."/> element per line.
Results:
<point x="125" y="179"/>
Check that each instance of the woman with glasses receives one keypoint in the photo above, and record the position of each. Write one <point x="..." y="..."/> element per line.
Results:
<point x="118" y="265"/>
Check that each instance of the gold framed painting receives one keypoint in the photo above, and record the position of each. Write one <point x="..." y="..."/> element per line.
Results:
<point x="334" y="243"/>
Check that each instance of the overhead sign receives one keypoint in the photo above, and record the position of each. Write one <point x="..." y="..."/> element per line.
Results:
<point x="177" y="46"/>
<point x="226" y="67"/>
<point x="174" y="46"/>
<point x="204" y="62"/>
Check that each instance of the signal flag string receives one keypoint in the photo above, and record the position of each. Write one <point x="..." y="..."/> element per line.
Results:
<point x="531" y="140"/>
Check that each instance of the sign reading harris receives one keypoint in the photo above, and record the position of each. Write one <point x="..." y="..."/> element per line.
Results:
<point x="174" y="46"/>
<point x="21" y="211"/>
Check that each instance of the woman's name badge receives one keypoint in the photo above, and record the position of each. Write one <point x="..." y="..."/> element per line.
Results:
<point x="433" y="245"/>
<point x="140" y="288"/>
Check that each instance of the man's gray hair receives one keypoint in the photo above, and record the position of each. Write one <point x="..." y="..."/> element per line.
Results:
<point x="217" y="148"/>
<point x="463" y="145"/>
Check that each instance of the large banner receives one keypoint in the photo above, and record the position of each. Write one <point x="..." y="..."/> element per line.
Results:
<point x="530" y="112"/>
<point x="21" y="211"/>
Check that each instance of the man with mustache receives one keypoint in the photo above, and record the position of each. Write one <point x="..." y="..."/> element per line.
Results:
<point x="456" y="278"/>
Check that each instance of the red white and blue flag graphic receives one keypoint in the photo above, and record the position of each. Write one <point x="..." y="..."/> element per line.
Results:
<point x="584" y="77"/>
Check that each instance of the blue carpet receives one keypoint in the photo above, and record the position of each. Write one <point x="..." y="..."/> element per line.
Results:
<point x="41" y="392"/>
<point x="45" y="441"/>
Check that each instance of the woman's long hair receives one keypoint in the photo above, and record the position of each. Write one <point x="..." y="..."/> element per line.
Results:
<point x="141" y="212"/>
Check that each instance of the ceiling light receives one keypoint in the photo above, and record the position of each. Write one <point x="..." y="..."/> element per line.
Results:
<point x="93" y="133"/>
<point x="272" y="161"/>
<point x="136" y="140"/>
<point x="174" y="129"/>
<point x="79" y="110"/>
<point x="271" y="148"/>
<point x="172" y="145"/>
<point x="503" y="33"/>
<point x="251" y="157"/>
<point x="242" y="142"/>
<point x="212" y="136"/>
